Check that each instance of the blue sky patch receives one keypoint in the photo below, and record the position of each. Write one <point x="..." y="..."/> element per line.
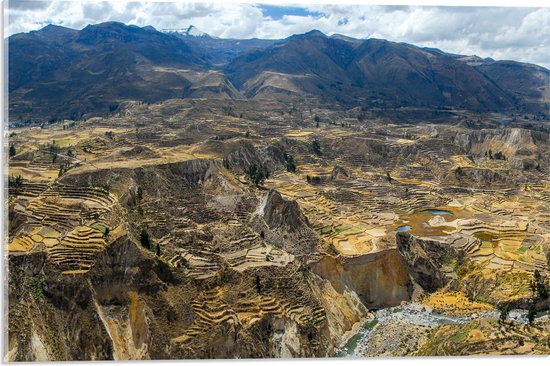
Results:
<point x="278" y="12"/>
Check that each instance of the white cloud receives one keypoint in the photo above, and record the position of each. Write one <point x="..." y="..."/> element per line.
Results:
<point x="521" y="34"/>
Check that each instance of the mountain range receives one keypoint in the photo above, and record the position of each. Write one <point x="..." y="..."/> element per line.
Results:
<point x="58" y="72"/>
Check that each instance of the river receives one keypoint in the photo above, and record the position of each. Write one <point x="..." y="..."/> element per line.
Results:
<point x="413" y="314"/>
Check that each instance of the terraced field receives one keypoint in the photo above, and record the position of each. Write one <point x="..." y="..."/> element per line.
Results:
<point x="246" y="230"/>
<point x="69" y="222"/>
<point x="212" y="311"/>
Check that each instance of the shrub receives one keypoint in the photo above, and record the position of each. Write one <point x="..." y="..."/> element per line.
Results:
<point x="504" y="311"/>
<point x="290" y="163"/>
<point x="531" y="314"/>
<point x="15" y="182"/>
<point x="257" y="174"/>
<point x="139" y="194"/>
<point x="144" y="239"/>
<point x="539" y="287"/>
<point x="316" y="146"/>
<point x="258" y="284"/>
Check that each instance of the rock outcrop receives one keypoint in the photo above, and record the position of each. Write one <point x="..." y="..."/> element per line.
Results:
<point x="521" y="147"/>
<point x="241" y="159"/>
<point x="424" y="259"/>
<point x="339" y="173"/>
<point x="283" y="225"/>
<point x="379" y="279"/>
<point x="476" y="177"/>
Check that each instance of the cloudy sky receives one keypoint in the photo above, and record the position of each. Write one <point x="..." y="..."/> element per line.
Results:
<point x="521" y="34"/>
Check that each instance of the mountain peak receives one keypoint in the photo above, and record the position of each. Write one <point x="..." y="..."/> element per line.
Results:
<point x="190" y="31"/>
<point x="149" y="28"/>
<point x="315" y="32"/>
<point x="195" y="32"/>
<point x="107" y="25"/>
<point x="51" y="27"/>
<point x="53" y="33"/>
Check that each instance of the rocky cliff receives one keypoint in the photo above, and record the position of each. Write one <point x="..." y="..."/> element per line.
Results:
<point x="424" y="259"/>
<point x="283" y="224"/>
<point x="379" y="279"/>
<point x="524" y="149"/>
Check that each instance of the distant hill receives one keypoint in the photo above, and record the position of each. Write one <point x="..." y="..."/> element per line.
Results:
<point x="528" y="84"/>
<point x="392" y="74"/>
<point x="58" y="72"/>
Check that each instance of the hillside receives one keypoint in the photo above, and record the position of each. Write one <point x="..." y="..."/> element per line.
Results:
<point x="91" y="70"/>
<point x="63" y="73"/>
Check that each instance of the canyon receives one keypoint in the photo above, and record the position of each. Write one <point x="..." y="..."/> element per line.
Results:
<point x="195" y="228"/>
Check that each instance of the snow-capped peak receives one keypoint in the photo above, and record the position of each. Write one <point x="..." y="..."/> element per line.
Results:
<point x="190" y="31"/>
<point x="195" y="32"/>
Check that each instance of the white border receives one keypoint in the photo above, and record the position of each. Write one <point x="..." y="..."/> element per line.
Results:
<point x="402" y="361"/>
